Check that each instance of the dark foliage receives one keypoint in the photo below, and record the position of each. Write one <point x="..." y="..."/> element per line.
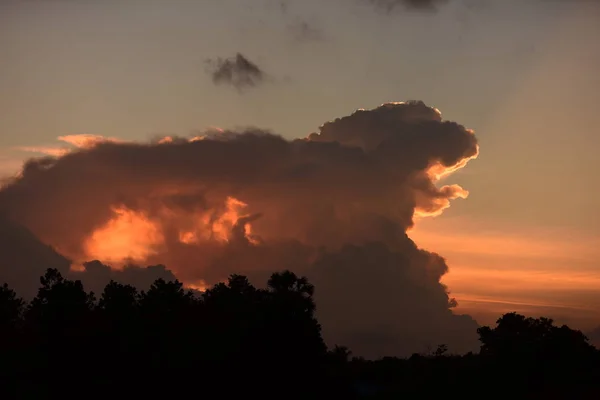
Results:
<point x="237" y="340"/>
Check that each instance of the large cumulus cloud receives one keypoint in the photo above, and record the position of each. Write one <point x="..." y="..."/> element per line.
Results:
<point x="335" y="206"/>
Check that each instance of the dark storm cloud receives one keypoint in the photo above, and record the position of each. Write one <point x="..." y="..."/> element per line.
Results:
<point x="24" y="258"/>
<point x="237" y="71"/>
<point x="335" y="206"/>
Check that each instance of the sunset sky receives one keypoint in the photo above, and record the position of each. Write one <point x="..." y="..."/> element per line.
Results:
<point x="522" y="74"/>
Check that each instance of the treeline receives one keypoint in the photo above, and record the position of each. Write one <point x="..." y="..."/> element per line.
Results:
<point x="237" y="340"/>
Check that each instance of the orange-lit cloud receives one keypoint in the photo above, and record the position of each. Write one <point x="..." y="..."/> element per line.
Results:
<point x="128" y="236"/>
<point x="334" y="206"/>
<point x="131" y="237"/>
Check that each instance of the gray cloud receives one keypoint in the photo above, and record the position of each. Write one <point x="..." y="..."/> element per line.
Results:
<point x="301" y="27"/>
<point x="433" y="5"/>
<point x="303" y="31"/>
<point x="237" y="71"/>
<point x="391" y="5"/>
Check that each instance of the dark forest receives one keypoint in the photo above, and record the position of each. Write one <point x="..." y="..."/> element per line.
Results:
<point x="237" y="340"/>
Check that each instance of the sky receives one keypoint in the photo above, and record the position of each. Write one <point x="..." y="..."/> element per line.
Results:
<point x="522" y="75"/>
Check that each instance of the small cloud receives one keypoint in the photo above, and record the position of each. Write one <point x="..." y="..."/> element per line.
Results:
<point x="303" y="31"/>
<point x="421" y="5"/>
<point x="237" y="71"/>
<point x="302" y="28"/>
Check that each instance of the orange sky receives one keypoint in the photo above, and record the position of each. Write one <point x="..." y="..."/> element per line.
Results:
<point x="499" y="268"/>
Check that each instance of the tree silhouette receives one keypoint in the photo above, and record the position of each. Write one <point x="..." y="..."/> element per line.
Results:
<point x="534" y="353"/>
<point x="11" y="312"/>
<point x="118" y="333"/>
<point x="11" y="308"/>
<point x="528" y="338"/>
<point x="237" y="340"/>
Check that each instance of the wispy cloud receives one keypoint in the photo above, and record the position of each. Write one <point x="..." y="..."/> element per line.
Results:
<point x="523" y="245"/>
<point x="86" y="140"/>
<point x="48" y="150"/>
<point x="79" y="141"/>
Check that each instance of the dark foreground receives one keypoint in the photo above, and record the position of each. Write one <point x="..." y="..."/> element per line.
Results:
<point x="236" y="341"/>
